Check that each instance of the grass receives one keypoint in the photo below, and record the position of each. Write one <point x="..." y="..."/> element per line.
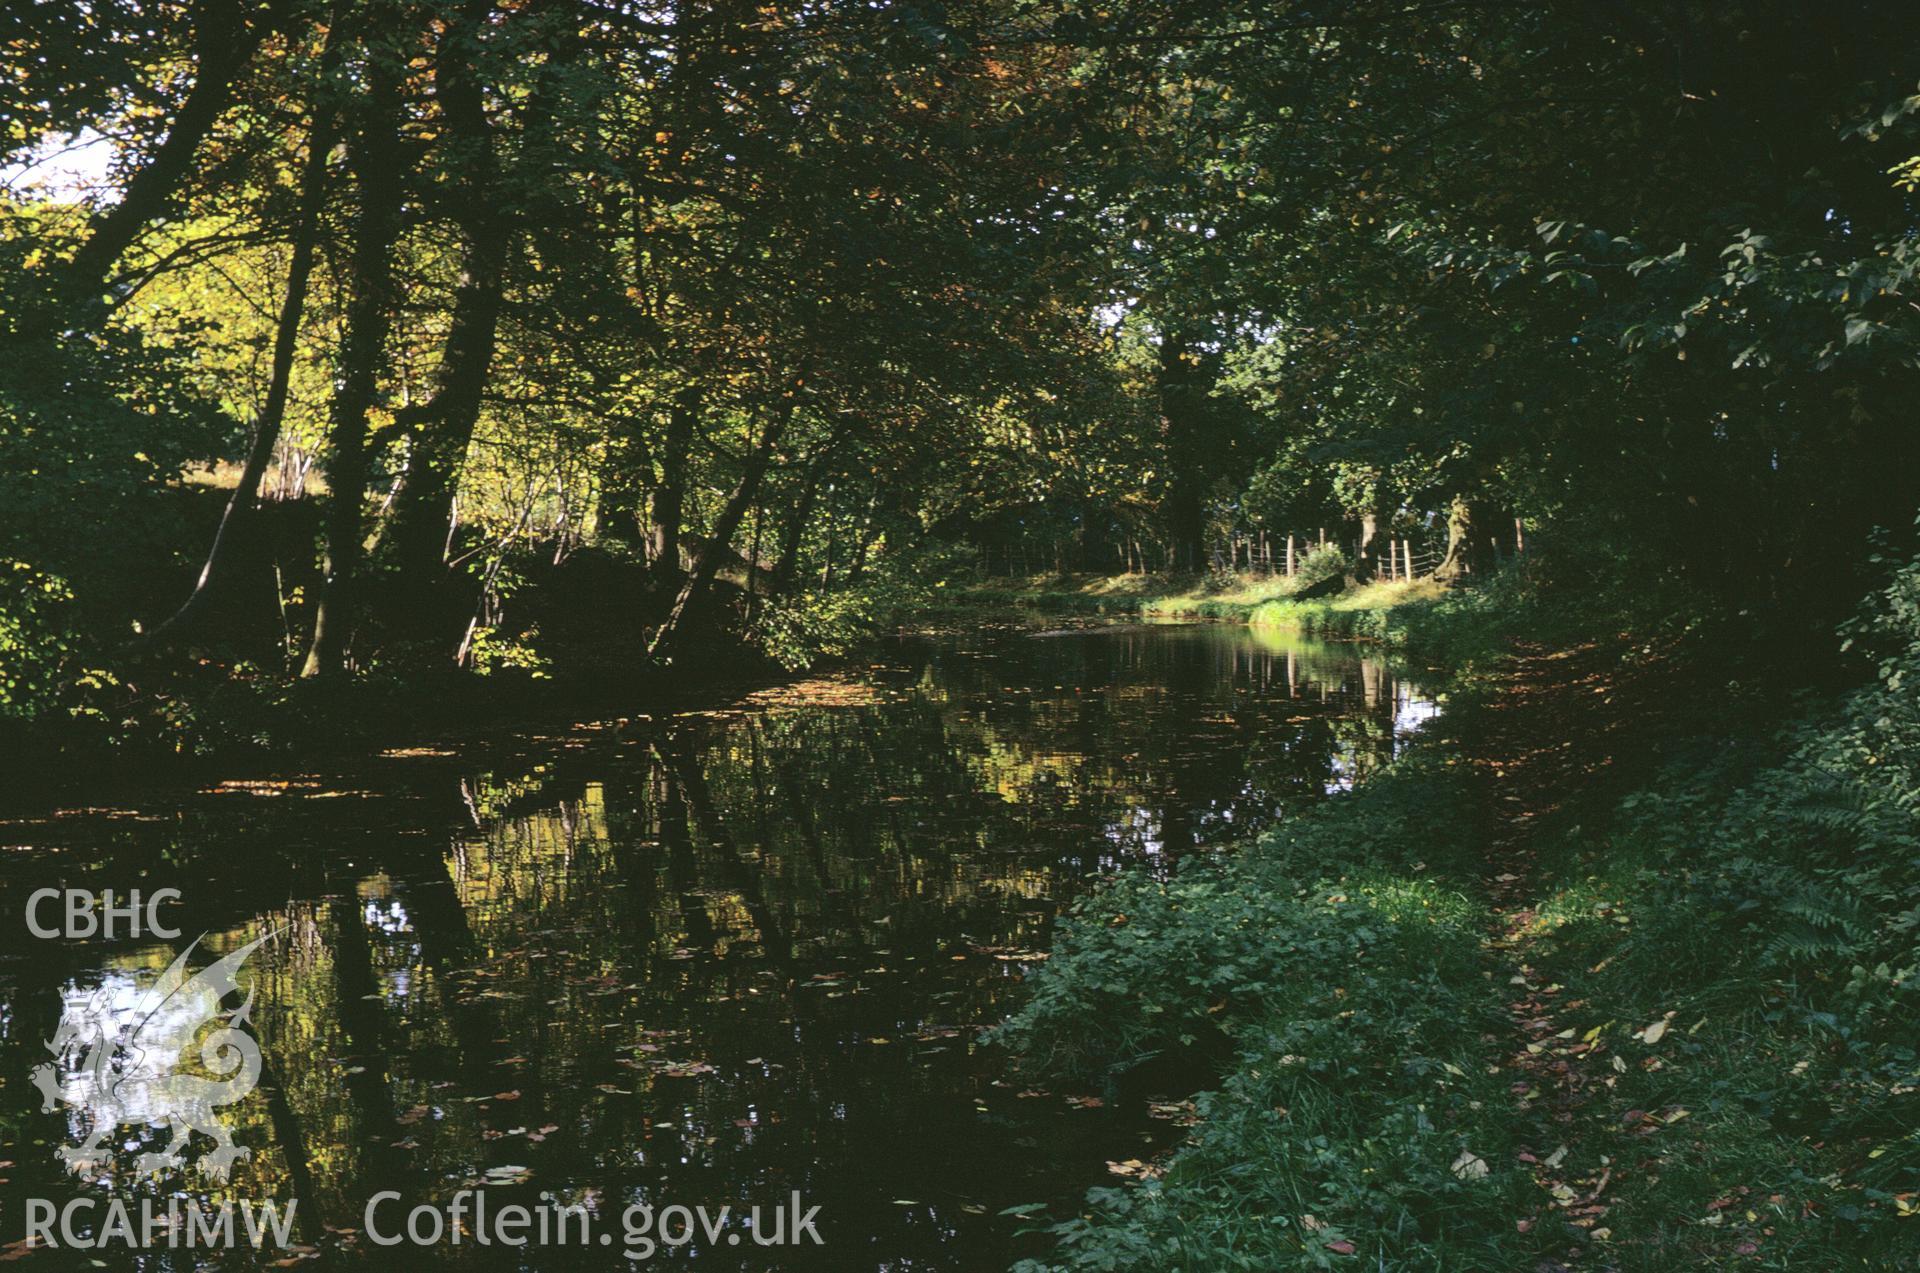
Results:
<point x="1739" y="935"/>
<point x="1266" y="600"/>
<point x="1363" y="613"/>
<point x="1232" y="597"/>
<point x="1339" y="966"/>
<point x="1235" y="597"/>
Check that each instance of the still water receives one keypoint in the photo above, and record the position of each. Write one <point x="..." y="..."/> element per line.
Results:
<point x="711" y="959"/>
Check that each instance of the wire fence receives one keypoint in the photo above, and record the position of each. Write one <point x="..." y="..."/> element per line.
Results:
<point x="1409" y="553"/>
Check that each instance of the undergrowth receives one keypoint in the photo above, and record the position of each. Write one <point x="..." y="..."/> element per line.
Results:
<point x="1338" y="962"/>
<point x="1736" y="946"/>
<point x="1763" y="902"/>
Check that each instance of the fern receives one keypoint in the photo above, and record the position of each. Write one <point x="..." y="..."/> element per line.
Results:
<point x="1821" y="927"/>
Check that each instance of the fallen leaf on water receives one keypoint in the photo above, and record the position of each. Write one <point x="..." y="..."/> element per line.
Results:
<point x="685" y="1070"/>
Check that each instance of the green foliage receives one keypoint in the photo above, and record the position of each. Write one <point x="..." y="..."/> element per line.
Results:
<point x="1765" y="895"/>
<point x="1335" y="970"/>
<point x="801" y="629"/>
<point x="493" y="651"/>
<point x="1759" y="895"/>
<point x="1338" y="962"/>
<point x="1392" y="615"/>
<point x="1075" y="286"/>
<point x="1321" y="563"/>
<point x="43" y="663"/>
<point x="1816" y="860"/>
<point x="807" y="627"/>
<point x="1146" y="965"/>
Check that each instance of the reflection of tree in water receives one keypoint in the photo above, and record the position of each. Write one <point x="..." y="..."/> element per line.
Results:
<point x="745" y="954"/>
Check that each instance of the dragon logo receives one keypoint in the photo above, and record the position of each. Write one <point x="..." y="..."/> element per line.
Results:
<point x="115" y="1057"/>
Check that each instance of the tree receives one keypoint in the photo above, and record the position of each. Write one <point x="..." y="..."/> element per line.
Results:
<point x="379" y="162"/>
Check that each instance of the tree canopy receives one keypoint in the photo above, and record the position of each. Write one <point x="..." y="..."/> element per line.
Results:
<point x="394" y="320"/>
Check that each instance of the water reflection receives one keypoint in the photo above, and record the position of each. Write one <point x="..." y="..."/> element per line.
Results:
<point x="714" y="960"/>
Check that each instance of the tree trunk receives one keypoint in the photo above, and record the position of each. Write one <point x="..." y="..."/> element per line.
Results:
<point x="670" y="492"/>
<point x="706" y="562"/>
<point x="423" y="512"/>
<point x="376" y="159"/>
<point x="1180" y="422"/>
<point x="826" y="551"/>
<point x="621" y="490"/>
<point x="864" y="537"/>
<point x="754" y="582"/>
<point x="1469" y="548"/>
<point x="223" y="43"/>
<point x="266" y="425"/>
<point x="1366" y="561"/>
<point x="789" y="563"/>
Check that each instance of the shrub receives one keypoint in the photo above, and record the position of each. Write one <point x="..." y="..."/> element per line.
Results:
<point x="43" y="668"/>
<point x="1320" y="564"/>
<point x="805" y="628"/>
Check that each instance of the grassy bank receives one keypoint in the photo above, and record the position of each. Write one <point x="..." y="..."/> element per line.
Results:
<point x="1618" y="972"/>
<point x="1231" y="598"/>
<point x="1420" y="616"/>
<point x="1338" y="966"/>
